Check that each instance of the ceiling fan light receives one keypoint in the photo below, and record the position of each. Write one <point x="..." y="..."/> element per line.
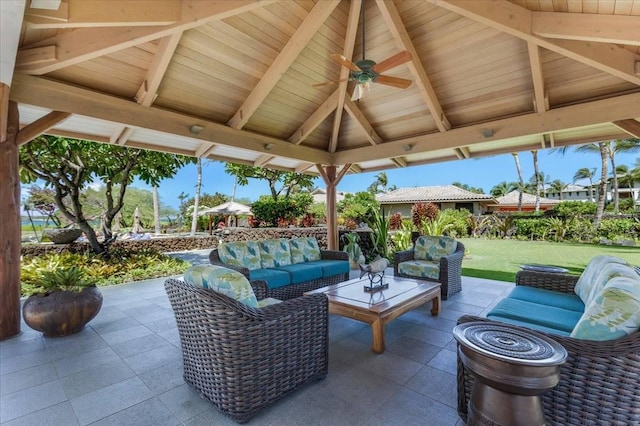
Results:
<point x="361" y="88"/>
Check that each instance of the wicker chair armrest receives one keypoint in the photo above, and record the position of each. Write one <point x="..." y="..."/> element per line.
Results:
<point x="312" y="304"/>
<point x="453" y="262"/>
<point x="333" y="255"/>
<point x="260" y="289"/>
<point x="548" y="281"/>
<point x="214" y="259"/>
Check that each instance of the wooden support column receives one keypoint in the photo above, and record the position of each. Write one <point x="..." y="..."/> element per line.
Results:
<point x="331" y="179"/>
<point x="10" y="223"/>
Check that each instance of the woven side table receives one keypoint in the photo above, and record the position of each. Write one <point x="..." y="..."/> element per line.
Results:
<point x="512" y="368"/>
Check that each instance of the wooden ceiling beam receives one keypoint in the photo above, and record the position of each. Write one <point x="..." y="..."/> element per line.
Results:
<point x="149" y="88"/>
<point x="84" y="44"/>
<point x="400" y="34"/>
<point x="400" y="162"/>
<point x="352" y="109"/>
<point x="262" y="160"/>
<point x="303" y="167"/>
<point x="314" y="120"/>
<point x="114" y="13"/>
<point x="37" y="56"/>
<point x="630" y="126"/>
<point x="574" y="116"/>
<point x="349" y="43"/>
<point x="124" y="136"/>
<point x="314" y="20"/>
<point x="40" y="126"/>
<point x="205" y="150"/>
<point x="516" y="21"/>
<point x="49" y="94"/>
<point x="617" y="29"/>
<point x="355" y="168"/>
<point x="539" y="98"/>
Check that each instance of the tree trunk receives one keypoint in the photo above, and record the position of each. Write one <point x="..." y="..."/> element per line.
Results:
<point x="602" y="190"/>
<point x="10" y="223"/>
<point x="156" y="209"/>
<point x="196" y="200"/>
<point x="536" y="172"/>
<point x="520" y="180"/>
<point x="614" y="185"/>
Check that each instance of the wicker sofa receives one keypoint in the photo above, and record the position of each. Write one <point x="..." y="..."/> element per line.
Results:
<point x="432" y="258"/>
<point x="241" y="358"/>
<point x="600" y="381"/>
<point x="289" y="267"/>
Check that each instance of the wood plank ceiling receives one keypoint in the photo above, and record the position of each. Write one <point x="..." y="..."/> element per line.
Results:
<point x="234" y="80"/>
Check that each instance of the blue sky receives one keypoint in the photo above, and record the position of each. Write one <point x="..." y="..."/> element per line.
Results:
<point x="484" y="173"/>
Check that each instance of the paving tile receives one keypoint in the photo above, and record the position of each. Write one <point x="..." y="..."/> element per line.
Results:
<point x="115" y="325"/>
<point x="212" y="416"/>
<point x="154" y="358"/>
<point x="151" y="412"/>
<point x="429" y="335"/>
<point x="92" y="379"/>
<point x="165" y="378"/>
<point x="436" y="384"/>
<point x="119" y="336"/>
<point x="56" y="415"/>
<point x="87" y="360"/>
<point x="138" y="345"/>
<point x="414" y="349"/>
<point x="391" y="366"/>
<point x="24" y="361"/>
<point x="163" y="324"/>
<point x="171" y="336"/>
<point x="409" y="408"/>
<point x="90" y="343"/>
<point x="30" y="400"/>
<point x="445" y="360"/>
<point x="15" y="347"/>
<point x="184" y="402"/>
<point x="27" y="378"/>
<point x="110" y="400"/>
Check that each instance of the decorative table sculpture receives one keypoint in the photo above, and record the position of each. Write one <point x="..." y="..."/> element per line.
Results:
<point x="375" y="270"/>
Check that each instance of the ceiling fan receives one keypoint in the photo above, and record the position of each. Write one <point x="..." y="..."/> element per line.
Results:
<point x="365" y="71"/>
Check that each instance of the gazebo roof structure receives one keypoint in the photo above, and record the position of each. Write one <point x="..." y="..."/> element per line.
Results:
<point x="234" y="80"/>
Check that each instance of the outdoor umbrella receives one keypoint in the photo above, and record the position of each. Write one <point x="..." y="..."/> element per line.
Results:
<point x="230" y="208"/>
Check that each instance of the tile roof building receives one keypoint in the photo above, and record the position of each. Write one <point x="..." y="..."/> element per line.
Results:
<point x="509" y="203"/>
<point x="445" y="196"/>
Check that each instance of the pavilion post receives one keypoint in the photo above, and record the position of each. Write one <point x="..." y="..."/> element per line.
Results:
<point x="331" y="179"/>
<point x="10" y="223"/>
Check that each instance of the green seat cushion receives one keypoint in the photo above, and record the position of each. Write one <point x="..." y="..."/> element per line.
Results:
<point x="273" y="277"/>
<point x="331" y="268"/>
<point x="589" y="277"/>
<point x="301" y="272"/>
<point x="613" y="313"/>
<point x="274" y="252"/>
<point x="223" y="280"/>
<point x="547" y="297"/>
<point x="420" y="268"/>
<point x="529" y="325"/>
<point x="304" y="249"/>
<point x="429" y="247"/>
<point x="534" y="313"/>
<point x="241" y="253"/>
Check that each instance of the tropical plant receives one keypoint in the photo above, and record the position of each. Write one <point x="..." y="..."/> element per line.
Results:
<point x="520" y="179"/>
<point x="422" y="211"/>
<point x="558" y="186"/>
<point x="380" y="231"/>
<point x="290" y="182"/>
<point x="503" y="225"/>
<point x="503" y="188"/>
<point x="395" y="221"/>
<point x="586" y="173"/>
<point x="557" y="227"/>
<point x="351" y="247"/>
<point x="436" y="226"/>
<point x="380" y="184"/>
<point x="63" y="279"/>
<point x="402" y="237"/>
<point x="468" y="188"/>
<point x="359" y="206"/>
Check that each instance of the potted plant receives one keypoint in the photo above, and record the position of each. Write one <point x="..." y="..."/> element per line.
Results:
<point x="64" y="302"/>
<point x="352" y="248"/>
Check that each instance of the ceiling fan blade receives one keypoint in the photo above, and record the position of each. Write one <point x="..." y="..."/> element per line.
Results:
<point x="392" y="62"/>
<point x="326" y="83"/>
<point x="401" y="83"/>
<point x="342" y="60"/>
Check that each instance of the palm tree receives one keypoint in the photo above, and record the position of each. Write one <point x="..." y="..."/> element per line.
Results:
<point x="156" y="209"/>
<point x="613" y="147"/>
<point x="381" y="181"/>
<point x="196" y="199"/>
<point x="534" y="153"/>
<point x="600" y="147"/>
<point x="520" y="180"/>
<point x="503" y="188"/>
<point x="558" y="186"/>
<point x="586" y="173"/>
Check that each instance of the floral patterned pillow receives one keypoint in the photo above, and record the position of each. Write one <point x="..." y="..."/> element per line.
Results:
<point x="433" y="248"/>
<point x="274" y="253"/>
<point x="232" y="284"/>
<point x="241" y="253"/>
<point x="304" y="250"/>
<point x="197" y="275"/>
<point x="613" y="313"/>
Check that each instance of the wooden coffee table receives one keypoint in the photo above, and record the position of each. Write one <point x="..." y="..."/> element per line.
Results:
<point x="349" y="299"/>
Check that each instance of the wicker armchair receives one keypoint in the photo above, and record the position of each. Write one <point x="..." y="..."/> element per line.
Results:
<point x="450" y="270"/>
<point x="600" y="381"/>
<point x="243" y="359"/>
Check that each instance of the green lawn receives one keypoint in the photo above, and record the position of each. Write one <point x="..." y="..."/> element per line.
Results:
<point x="501" y="259"/>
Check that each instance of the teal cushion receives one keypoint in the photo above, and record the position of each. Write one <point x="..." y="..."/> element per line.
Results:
<point x="547" y="297"/>
<point x="331" y="268"/>
<point x="589" y="277"/>
<point x="301" y="272"/>
<point x="241" y="253"/>
<point x="429" y="247"/>
<point x="534" y="313"/>
<point x="304" y="249"/>
<point x="420" y="268"/>
<point x="273" y="277"/>
<point x="274" y="252"/>
<point x="529" y="325"/>
<point x="613" y="313"/>
<point x="223" y="280"/>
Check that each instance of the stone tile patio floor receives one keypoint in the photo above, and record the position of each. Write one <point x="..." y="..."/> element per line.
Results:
<point x="125" y="368"/>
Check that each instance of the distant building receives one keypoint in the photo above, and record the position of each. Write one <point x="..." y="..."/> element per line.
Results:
<point x="509" y="203"/>
<point x="320" y="195"/>
<point x="445" y="197"/>
<point x="571" y="192"/>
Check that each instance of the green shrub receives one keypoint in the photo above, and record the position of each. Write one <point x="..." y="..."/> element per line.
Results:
<point x="574" y="208"/>
<point x="360" y="207"/>
<point x="532" y="229"/>
<point x="458" y="220"/>
<point x="613" y="229"/>
<point x="270" y="211"/>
